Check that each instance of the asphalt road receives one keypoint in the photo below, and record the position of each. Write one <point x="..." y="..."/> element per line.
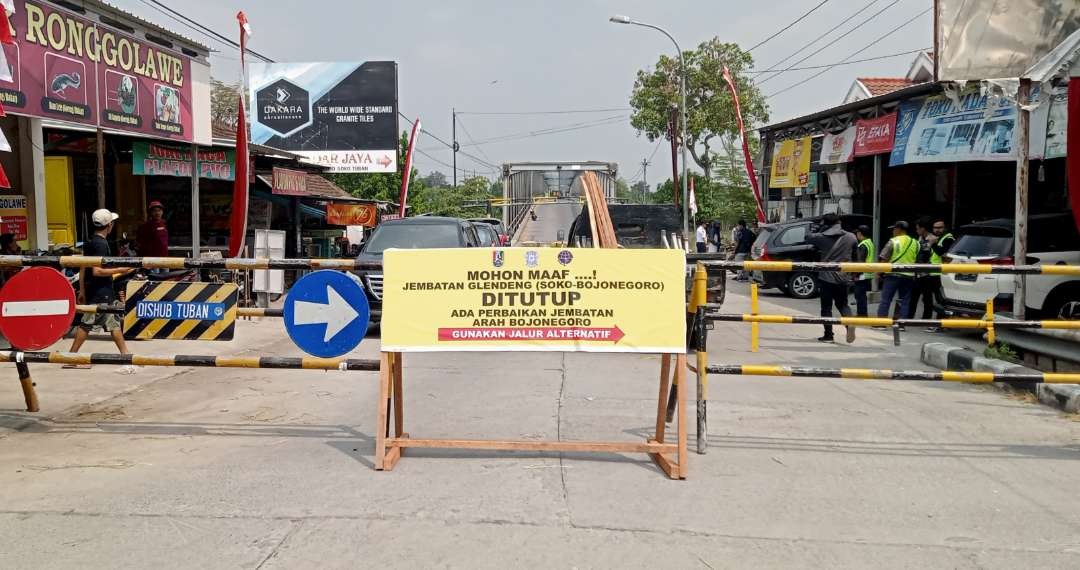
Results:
<point x="550" y="220"/>
<point x="207" y="469"/>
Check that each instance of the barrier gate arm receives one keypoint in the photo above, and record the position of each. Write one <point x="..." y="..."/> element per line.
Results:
<point x="196" y="361"/>
<point x="716" y="261"/>
<point x="887" y="322"/>
<point x="883" y="374"/>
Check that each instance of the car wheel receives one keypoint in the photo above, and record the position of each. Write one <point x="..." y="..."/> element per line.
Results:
<point x="1063" y="304"/>
<point x="802" y="286"/>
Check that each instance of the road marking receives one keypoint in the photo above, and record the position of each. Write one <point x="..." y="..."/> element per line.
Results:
<point x="35" y="308"/>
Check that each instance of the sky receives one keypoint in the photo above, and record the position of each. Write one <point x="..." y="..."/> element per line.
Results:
<point x="489" y="56"/>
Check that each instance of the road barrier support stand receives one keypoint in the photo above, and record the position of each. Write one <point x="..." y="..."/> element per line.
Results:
<point x="29" y="394"/>
<point x="391" y="444"/>
<point x="755" y="328"/>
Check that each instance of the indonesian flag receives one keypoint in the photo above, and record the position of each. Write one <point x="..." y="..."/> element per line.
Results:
<point x="407" y="175"/>
<point x="7" y="9"/>
<point x="238" y="219"/>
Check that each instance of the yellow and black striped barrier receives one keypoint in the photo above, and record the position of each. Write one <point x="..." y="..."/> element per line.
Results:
<point x="717" y="261"/>
<point x="236" y="264"/>
<point x="197" y="361"/>
<point x="881" y="374"/>
<point x="180" y="310"/>
<point x="240" y="312"/>
<point x="886" y="322"/>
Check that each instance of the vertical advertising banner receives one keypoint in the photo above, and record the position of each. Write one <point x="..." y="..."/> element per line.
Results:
<point x="969" y="127"/>
<point x="69" y="68"/>
<point x="343" y="116"/>
<point x="790" y="163"/>
<point x="13" y="216"/>
<point x="838" y="148"/>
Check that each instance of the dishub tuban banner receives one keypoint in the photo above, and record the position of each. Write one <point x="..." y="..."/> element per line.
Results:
<point x="544" y="299"/>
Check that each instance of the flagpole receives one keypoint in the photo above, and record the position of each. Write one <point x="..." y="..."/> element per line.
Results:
<point x="407" y="174"/>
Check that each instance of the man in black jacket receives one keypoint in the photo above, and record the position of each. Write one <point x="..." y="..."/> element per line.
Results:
<point x="836" y="246"/>
<point x="744" y="241"/>
<point x="940" y="241"/>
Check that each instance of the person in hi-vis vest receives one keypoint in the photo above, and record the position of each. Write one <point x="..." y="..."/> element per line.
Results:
<point x="901" y="249"/>
<point x="865" y="251"/>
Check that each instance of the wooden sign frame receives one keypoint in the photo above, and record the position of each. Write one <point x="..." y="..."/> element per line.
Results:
<point x="391" y="405"/>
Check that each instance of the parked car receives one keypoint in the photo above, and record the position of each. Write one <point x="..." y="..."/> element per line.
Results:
<point x="489" y="237"/>
<point x="786" y="241"/>
<point x="421" y="232"/>
<point x="496" y="223"/>
<point x="1052" y="240"/>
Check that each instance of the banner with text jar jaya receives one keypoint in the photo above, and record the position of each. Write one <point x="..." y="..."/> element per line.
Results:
<point x="525" y="299"/>
<point x="67" y="67"/>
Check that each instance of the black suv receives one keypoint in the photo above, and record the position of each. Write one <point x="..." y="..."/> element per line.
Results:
<point x="787" y="242"/>
<point x="421" y="232"/>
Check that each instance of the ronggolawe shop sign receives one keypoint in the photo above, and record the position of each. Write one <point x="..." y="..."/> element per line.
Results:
<point x="69" y="68"/>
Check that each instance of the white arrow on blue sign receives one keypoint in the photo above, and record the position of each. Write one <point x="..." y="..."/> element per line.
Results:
<point x="326" y="313"/>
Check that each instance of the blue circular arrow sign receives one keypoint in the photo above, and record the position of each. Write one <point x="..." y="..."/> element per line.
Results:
<point x="326" y="313"/>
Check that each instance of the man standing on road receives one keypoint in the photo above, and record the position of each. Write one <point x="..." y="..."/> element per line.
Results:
<point x="940" y="243"/>
<point x="702" y="238"/>
<point x="922" y="287"/>
<point x="901" y="249"/>
<point x="744" y="240"/>
<point x="836" y="246"/>
<point x="96" y="287"/>
<point x="865" y="252"/>
<point x="152" y="239"/>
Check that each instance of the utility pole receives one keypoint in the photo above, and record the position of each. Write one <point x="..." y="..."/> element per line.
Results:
<point x="453" y="114"/>
<point x="644" y="178"/>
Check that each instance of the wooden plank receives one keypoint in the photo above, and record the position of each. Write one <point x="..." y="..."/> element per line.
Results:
<point x="661" y="401"/>
<point x="383" y="401"/>
<point x="399" y="397"/>
<point x="666" y="465"/>
<point x="680" y="374"/>
<point x="392" y="458"/>
<point x="517" y="445"/>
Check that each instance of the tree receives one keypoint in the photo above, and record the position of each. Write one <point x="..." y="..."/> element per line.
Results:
<point x="622" y="190"/>
<point x="640" y="191"/>
<point x="381" y="186"/>
<point x="711" y="109"/>
<point x="726" y="199"/>
<point x="223" y="101"/>
<point x="435" y="180"/>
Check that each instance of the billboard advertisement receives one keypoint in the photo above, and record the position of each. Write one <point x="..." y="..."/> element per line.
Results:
<point x="790" y="163"/>
<point x="838" y="148"/>
<point x="984" y="39"/>
<point x="343" y="116"/>
<point x="68" y="68"/>
<point x="968" y="127"/>
<point x="352" y="215"/>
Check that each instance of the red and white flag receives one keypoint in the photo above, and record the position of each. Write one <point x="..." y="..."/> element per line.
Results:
<point x="238" y="219"/>
<point x="745" y="147"/>
<point x="693" y="200"/>
<point x="407" y="174"/>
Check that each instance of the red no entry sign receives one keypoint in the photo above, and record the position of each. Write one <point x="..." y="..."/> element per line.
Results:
<point x="36" y="308"/>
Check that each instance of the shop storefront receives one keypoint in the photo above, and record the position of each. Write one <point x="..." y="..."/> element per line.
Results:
<point x="72" y="121"/>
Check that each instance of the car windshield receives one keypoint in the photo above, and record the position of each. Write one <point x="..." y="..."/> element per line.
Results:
<point x="762" y="237"/>
<point x="983" y="244"/>
<point x="413" y="236"/>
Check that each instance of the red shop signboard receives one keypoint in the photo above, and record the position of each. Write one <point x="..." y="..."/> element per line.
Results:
<point x="875" y="136"/>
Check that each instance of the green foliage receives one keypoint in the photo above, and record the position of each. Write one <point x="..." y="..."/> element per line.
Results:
<point x="380" y="186"/>
<point x="1002" y="351"/>
<point x="224" y="99"/>
<point x="623" y="192"/>
<point x="723" y="200"/>
<point x="711" y="107"/>
<point x="448" y="201"/>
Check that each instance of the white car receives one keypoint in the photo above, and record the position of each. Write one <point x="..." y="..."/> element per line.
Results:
<point x="1052" y="240"/>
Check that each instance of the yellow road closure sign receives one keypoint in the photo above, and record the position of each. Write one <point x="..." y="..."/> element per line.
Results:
<point x="532" y="299"/>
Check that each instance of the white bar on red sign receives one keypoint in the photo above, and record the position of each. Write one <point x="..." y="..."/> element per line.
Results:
<point x="34" y="308"/>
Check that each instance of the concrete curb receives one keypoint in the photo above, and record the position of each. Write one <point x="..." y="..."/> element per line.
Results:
<point x="947" y="357"/>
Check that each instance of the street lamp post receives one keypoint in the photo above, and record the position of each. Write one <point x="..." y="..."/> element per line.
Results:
<point x="682" y="108"/>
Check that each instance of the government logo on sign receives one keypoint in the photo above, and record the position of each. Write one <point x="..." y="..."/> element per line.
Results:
<point x="565" y="257"/>
<point x="283" y="107"/>
<point x="497" y="258"/>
